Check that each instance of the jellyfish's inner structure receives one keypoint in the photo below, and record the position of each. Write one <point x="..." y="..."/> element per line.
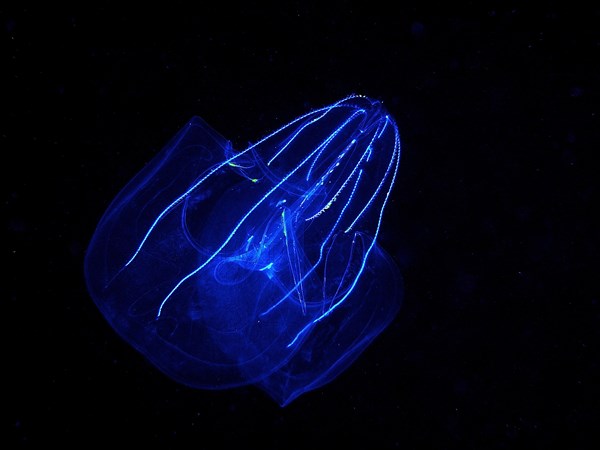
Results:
<point x="227" y="268"/>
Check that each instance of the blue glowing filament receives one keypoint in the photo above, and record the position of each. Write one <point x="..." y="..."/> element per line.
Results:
<point x="257" y="267"/>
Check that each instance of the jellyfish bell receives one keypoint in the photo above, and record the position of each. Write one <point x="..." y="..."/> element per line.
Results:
<point x="259" y="266"/>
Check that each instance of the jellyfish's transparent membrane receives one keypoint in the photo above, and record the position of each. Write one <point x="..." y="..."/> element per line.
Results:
<point x="228" y="268"/>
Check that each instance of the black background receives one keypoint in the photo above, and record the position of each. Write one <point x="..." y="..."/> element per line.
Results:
<point x="491" y="221"/>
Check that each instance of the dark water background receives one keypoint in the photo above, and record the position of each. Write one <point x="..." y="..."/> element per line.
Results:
<point x="492" y="221"/>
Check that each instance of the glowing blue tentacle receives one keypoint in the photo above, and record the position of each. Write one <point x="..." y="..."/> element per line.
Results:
<point x="380" y="185"/>
<point x="395" y="157"/>
<point x="330" y="138"/>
